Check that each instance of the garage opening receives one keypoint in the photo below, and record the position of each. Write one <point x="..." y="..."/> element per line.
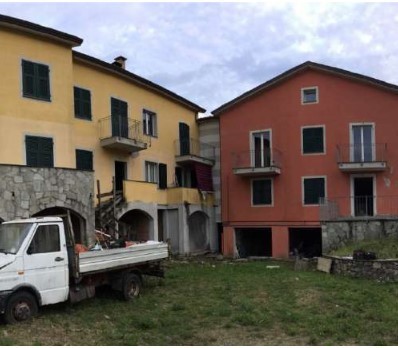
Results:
<point x="253" y="242"/>
<point x="305" y="242"/>
<point x="136" y="225"/>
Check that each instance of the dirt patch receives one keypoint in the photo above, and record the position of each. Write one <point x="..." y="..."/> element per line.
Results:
<point x="308" y="297"/>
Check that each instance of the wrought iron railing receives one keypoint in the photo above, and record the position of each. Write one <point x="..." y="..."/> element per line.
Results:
<point x="194" y="147"/>
<point x="359" y="153"/>
<point x="270" y="157"/>
<point x="357" y="206"/>
<point x="123" y="127"/>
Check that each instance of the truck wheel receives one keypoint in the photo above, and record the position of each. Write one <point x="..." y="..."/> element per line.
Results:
<point x="131" y="286"/>
<point x="20" y="306"/>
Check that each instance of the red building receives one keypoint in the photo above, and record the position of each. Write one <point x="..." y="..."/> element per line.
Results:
<point x="313" y="140"/>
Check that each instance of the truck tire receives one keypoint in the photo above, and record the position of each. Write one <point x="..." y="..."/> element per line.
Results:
<point x="20" y="306"/>
<point x="132" y="285"/>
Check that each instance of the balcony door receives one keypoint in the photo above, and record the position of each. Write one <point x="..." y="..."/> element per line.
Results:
<point x="119" y="118"/>
<point x="362" y="143"/>
<point x="261" y="149"/>
<point x="184" y="139"/>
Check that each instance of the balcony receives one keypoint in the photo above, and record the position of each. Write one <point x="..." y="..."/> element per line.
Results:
<point x="122" y="134"/>
<point x="150" y="193"/>
<point x="362" y="158"/>
<point x="358" y="207"/>
<point x="191" y="151"/>
<point x="257" y="163"/>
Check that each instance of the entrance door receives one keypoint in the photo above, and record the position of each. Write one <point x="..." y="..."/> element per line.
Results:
<point x="362" y="143"/>
<point x="184" y="139"/>
<point x="363" y="200"/>
<point x="120" y="174"/>
<point x="261" y="149"/>
<point x="46" y="264"/>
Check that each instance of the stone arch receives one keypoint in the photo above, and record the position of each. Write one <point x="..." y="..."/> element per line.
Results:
<point x="78" y="221"/>
<point x="136" y="225"/>
<point x="198" y="231"/>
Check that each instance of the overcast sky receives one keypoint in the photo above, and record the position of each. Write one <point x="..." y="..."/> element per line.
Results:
<point x="210" y="53"/>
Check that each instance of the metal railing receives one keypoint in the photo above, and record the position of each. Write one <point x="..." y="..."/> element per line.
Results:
<point x="357" y="206"/>
<point x="270" y="157"/>
<point x="123" y="127"/>
<point x="359" y="153"/>
<point x="194" y="147"/>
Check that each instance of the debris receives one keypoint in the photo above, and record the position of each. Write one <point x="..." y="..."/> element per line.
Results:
<point x="107" y="317"/>
<point x="324" y="264"/>
<point x="272" y="267"/>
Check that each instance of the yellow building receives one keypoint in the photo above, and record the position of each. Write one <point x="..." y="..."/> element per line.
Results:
<point x="69" y="123"/>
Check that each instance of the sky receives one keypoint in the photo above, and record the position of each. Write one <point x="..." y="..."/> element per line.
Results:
<point x="212" y="52"/>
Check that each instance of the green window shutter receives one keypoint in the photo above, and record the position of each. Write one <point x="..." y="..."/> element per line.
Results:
<point x="262" y="192"/>
<point x="84" y="160"/>
<point x="82" y="99"/>
<point x="39" y="151"/>
<point x="28" y="78"/>
<point x="313" y="140"/>
<point x="314" y="189"/>
<point x="162" y="176"/>
<point x="43" y="81"/>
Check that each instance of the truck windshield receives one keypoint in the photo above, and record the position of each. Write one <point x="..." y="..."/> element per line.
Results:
<point x="12" y="236"/>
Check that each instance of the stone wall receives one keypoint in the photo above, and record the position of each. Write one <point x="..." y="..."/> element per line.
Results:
<point x="336" y="234"/>
<point x="380" y="270"/>
<point x="25" y="191"/>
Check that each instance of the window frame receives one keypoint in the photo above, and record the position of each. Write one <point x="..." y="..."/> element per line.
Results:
<point x="304" y="89"/>
<point x="81" y="117"/>
<point x="303" y="178"/>
<point x="34" y="235"/>
<point x="252" y="146"/>
<point x="324" y="140"/>
<point x="47" y="99"/>
<point x="145" y="123"/>
<point x="252" y="196"/>
<point x="156" y="167"/>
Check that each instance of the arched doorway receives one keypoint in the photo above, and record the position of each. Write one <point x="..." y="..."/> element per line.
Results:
<point x="136" y="225"/>
<point x="197" y="224"/>
<point x="78" y="222"/>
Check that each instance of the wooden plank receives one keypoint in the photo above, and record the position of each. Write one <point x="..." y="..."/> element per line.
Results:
<point x="324" y="264"/>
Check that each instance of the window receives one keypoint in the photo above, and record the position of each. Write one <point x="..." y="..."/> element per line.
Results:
<point x="39" y="151"/>
<point x="309" y="95"/>
<point x="82" y="103"/>
<point x="162" y="176"/>
<point x="314" y="189"/>
<point x="35" y="80"/>
<point x="313" y="140"/>
<point x="84" y="160"/>
<point x="362" y="143"/>
<point x="149" y="123"/>
<point x="262" y="192"/>
<point x="261" y="149"/>
<point x="151" y="172"/>
<point x="46" y="240"/>
<point x="185" y="177"/>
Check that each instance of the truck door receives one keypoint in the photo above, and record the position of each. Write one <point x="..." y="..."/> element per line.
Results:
<point x="46" y="263"/>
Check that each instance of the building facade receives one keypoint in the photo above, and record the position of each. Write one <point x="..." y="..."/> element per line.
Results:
<point x="70" y="123"/>
<point x="307" y="162"/>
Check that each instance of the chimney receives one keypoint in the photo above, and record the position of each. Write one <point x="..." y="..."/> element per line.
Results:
<point x="120" y="62"/>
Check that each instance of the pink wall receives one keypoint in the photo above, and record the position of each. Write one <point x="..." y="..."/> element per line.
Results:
<point x="341" y="102"/>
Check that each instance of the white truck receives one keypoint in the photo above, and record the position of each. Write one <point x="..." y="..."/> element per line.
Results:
<point x="39" y="266"/>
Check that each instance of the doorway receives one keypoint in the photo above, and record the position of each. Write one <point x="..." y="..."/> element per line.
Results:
<point x="305" y="242"/>
<point x="362" y="143"/>
<point x="363" y="196"/>
<point x="253" y="241"/>
<point x="120" y="174"/>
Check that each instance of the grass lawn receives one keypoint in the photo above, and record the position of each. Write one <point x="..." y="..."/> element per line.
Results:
<point x="225" y="303"/>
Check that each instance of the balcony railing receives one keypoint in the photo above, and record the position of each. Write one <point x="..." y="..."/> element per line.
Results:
<point x="118" y="132"/>
<point x="264" y="162"/>
<point x="362" y="157"/>
<point x="192" y="150"/>
<point x="358" y="206"/>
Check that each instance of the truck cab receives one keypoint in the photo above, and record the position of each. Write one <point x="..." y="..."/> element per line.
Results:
<point x="33" y="264"/>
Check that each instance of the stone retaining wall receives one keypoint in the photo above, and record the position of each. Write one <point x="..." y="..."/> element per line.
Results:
<point x="336" y="234"/>
<point x="25" y="191"/>
<point x="381" y="270"/>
